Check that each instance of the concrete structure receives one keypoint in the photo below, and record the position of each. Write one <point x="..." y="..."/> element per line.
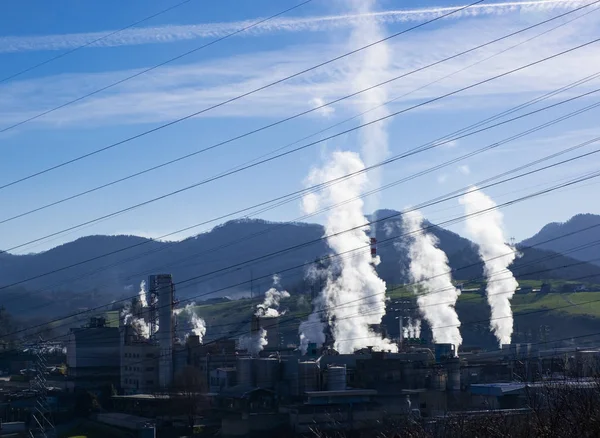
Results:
<point x="93" y="352"/>
<point x="266" y="372"/>
<point x="161" y="285"/>
<point x="335" y="410"/>
<point x="139" y="367"/>
<point x="336" y="378"/>
<point x="222" y="379"/>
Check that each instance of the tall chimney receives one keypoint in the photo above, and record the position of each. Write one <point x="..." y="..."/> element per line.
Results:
<point x="163" y="287"/>
<point x="373" y="247"/>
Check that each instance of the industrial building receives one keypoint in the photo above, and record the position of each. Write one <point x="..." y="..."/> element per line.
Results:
<point x="93" y="354"/>
<point x="279" y="390"/>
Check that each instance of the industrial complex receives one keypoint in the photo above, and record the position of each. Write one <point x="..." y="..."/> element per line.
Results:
<point x="156" y="381"/>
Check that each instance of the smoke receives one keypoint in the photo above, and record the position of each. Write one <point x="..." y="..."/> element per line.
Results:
<point x="372" y="66"/>
<point x="254" y="343"/>
<point x="142" y="294"/>
<point x="312" y="330"/>
<point x="353" y="295"/>
<point x="485" y="230"/>
<point x="429" y="268"/>
<point x="196" y="325"/>
<point x="269" y="308"/>
<point x="412" y="330"/>
<point x="130" y="318"/>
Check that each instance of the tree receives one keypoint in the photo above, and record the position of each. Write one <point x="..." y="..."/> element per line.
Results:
<point x="188" y="395"/>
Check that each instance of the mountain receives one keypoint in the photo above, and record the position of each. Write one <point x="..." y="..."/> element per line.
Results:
<point x="573" y="237"/>
<point x="214" y="264"/>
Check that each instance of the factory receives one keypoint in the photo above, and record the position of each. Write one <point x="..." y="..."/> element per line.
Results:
<point x="255" y="384"/>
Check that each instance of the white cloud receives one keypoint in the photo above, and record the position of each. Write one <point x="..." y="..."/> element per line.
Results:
<point x="442" y="178"/>
<point x="464" y="169"/>
<point x="169" y="93"/>
<point x="326" y="111"/>
<point x="173" y="33"/>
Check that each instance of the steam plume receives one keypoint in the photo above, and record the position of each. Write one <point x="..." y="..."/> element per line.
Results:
<point x="312" y="330"/>
<point x="354" y="295"/>
<point x="254" y="343"/>
<point x="143" y="294"/>
<point x="197" y="325"/>
<point x="486" y="231"/>
<point x="269" y="308"/>
<point x="429" y="268"/>
<point x="373" y="65"/>
<point x="412" y="330"/>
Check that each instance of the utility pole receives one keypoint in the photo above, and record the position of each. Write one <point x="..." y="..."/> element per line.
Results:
<point x="43" y="425"/>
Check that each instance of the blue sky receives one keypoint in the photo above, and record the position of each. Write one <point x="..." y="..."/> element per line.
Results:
<point x="36" y="31"/>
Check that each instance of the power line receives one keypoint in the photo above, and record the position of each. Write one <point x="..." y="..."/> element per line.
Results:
<point x="297" y="149"/>
<point x="389" y="240"/>
<point x="470" y="322"/>
<point x="437" y="142"/>
<point x="184" y="157"/>
<point x="238" y="97"/>
<point x="94" y="41"/>
<point x="154" y="67"/>
<point x="436" y="200"/>
<point x="116" y="251"/>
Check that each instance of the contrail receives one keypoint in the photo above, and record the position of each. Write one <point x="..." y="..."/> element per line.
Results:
<point x="174" y="33"/>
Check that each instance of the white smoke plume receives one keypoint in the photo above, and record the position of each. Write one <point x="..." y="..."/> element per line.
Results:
<point x="485" y="230"/>
<point x="269" y="308"/>
<point x="371" y="67"/>
<point x="254" y="343"/>
<point x="197" y="325"/>
<point x="143" y="294"/>
<point x="312" y="330"/>
<point x="140" y="326"/>
<point x="354" y="295"/>
<point x="412" y="330"/>
<point x="429" y="268"/>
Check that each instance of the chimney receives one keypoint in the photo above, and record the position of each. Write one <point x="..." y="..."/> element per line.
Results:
<point x="373" y="247"/>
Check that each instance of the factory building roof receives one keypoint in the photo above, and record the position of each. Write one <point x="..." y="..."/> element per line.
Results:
<point x="343" y="393"/>
<point x="497" y="389"/>
<point x="509" y="388"/>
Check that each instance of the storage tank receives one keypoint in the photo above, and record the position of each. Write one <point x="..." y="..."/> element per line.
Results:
<point x="336" y="378"/>
<point x="308" y="376"/>
<point x="267" y="372"/>
<point x="245" y="371"/>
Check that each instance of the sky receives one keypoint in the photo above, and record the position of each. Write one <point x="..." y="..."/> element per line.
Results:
<point x="33" y="32"/>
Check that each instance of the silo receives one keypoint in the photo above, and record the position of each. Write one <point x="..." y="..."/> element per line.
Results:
<point x="245" y="371"/>
<point x="336" y="378"/>
<point x="163" y="287"/>
<point x="267" y="372"/>
<point x="308" y="376"/>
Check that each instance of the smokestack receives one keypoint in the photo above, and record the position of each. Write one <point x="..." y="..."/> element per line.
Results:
<point x="373" y="247"/>
<point x="162" y="286"/>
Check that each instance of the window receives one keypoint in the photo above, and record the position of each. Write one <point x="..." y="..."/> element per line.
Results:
<point x="149" y="382"/>
<point x="149" y="368"/>
<point x="150" y="355"/>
